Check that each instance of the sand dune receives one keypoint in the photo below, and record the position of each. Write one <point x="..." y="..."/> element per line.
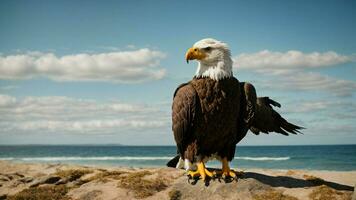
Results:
<point x="60" y="181"/>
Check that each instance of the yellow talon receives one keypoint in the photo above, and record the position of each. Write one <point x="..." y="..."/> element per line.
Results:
<point x="193" y="173"/>
<point x="230" y="173"/>
<point x="202" y="171"/>
<point x="226" y="171"/>
<point x="208" y="173"/>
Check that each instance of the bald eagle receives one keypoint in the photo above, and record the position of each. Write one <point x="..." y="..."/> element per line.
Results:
<point x="213" y="112"/>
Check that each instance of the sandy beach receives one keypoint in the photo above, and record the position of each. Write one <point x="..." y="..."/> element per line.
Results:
<point x="62" y="181"/>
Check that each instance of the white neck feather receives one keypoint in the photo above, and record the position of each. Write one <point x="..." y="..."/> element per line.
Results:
<point x="216" y="70"/>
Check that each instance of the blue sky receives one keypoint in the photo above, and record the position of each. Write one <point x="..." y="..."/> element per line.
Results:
<point x="91" y="72"/>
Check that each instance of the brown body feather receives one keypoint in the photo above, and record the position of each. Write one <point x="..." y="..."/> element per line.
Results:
<point x="210" y="117"/>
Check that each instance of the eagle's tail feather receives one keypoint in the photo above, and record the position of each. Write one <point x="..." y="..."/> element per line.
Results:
<point x="173" y="162"/>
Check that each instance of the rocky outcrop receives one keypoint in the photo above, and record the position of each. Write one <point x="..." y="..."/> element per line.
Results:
<point x="38" y="181"/>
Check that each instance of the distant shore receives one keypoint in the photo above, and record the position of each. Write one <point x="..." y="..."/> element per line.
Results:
<point x="63" y="181"/>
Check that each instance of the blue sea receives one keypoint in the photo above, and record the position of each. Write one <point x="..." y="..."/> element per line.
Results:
<point x="314" y="157"/>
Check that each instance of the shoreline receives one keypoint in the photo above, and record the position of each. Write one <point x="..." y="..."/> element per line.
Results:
<point x="105" y="165"/>
<point x="112" y="182"/>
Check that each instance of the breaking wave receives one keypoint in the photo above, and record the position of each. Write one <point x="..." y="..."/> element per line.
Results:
<point x="263" y="158"/>
<point x="100" y="158"/>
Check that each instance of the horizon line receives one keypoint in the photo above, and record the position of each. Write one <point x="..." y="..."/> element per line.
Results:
<point x="148" y="145"/>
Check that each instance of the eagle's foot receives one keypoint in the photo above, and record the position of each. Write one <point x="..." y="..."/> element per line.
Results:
<point x="201" y="171"/>
<point x="226" y="172"/>
<point x="193" y="174"/>
<point x="229" y="173"/>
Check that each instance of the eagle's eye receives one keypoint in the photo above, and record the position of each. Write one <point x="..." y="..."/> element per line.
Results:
<point x="207" y="48"/>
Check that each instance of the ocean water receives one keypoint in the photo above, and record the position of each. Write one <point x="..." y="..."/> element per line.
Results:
<point x="314" y="157"/>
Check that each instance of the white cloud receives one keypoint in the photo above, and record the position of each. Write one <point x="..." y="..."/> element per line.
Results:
<point x="6" y="100"/>
<point x="294" y="71"/>
<point x="289" y="70"/>
<point x="88" y="126"/>
<point x="332" y="129"/>
<point x="275" y="62"/>
<point x="55" y="114"/>
<point x="344" y="109"/>
<point x="306" y="106"/>
<point x="313" y="82"/>
<point x="121" y="66"/>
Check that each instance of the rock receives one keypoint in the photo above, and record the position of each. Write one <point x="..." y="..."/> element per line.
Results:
<point x="51" y="179"/>
<point x="354" y="195"/>
<point x="219" y="189"/>
<point x="18" y="174"/>
<point x="4" y="178"/>
<point x="26" y="179"/>
<point x="75" y="183"/>
<point x="10" y="177"/>
<point x="70" y="182"/>
<point x="35" y="184"/>
<point x="62" y="181"/>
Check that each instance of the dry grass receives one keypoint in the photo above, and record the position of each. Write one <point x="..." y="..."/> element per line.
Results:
<point x="291" y="173"/>
<point x="52" y="192"/>
<point x="41" y="193"/>
<point x="175" y="194"/>
<point x="273" y="195"/>
<point x="324" y="192"/>
<point x="73" y="174"/>
<point x="105" y="176"/>
<point x="313" y="179"/>
<point x="141" y="187"/>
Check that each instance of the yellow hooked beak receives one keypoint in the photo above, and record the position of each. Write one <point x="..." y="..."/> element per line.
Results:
<point x="194" y="53"/>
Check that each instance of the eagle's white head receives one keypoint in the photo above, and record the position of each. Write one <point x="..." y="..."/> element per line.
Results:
<point x="214" y="59"/>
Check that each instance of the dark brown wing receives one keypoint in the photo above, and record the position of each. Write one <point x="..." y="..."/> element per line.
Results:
<point x="261" y="117"/>
<point x="184" y="109"/>
<point x="268" y="120"/>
